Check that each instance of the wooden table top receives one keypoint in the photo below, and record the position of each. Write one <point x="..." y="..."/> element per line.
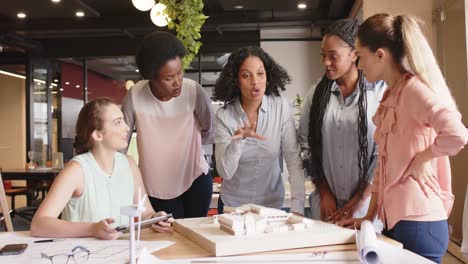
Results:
<point x="184" y="248"/>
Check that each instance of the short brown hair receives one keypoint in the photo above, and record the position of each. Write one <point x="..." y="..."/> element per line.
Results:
<point x="89" y="120"/>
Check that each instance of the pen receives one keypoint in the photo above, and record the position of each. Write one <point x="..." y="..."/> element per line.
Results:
<point x="48" y="240"/>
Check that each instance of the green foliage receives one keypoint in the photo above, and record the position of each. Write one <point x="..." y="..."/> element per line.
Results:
<point x="298" y="103"/>
<point x="297" y="109"/>
<point x="187" y="18"/>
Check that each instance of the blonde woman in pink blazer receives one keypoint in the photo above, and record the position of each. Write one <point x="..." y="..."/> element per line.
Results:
<point x="418" y="128"/>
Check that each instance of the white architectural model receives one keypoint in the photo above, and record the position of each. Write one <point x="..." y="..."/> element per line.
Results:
<point x="251" y="228"/>
<point x="133" y="211"/>
<point x="253" y="219"/>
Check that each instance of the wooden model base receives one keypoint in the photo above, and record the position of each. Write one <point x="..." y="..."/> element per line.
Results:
<point x="208" y="235"/>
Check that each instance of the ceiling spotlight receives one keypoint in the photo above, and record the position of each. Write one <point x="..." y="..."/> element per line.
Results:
<point x="67" y="83"/>
<point x="77" y="86"/>
<point x="301" y="6"/>
<point x="61" y="89"/>
<point x="238" y="6"/>
<point x="79" y="14"/>
<point x="55" y="80"/>
<point x="56" y="1"/>
<point x="137" y="70"/>
<point x="143" y="5"/>
<point x="21" y="15"/>
<point x="158" y="16"/>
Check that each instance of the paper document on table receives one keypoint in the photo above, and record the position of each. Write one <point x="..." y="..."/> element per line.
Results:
<point x="338" y="257"/>
<point x="102" y="251"/>
<point x="389" y="254"/>
<point x="373" y="251"/>
<point x="367" y="245"/>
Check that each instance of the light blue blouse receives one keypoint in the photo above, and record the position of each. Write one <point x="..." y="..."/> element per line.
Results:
<point x="340" y="138"/>
<point x="251" y="167"/>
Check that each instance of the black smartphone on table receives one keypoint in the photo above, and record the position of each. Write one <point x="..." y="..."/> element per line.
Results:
<point x="13" y="249"/>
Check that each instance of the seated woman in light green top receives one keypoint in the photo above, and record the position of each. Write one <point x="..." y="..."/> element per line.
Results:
<point x="94" y="185"/>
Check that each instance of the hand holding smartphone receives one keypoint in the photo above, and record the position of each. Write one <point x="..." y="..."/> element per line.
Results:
<point x="144" y="223"/>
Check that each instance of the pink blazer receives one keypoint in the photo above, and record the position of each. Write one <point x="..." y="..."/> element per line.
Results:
<point x="411" y="118"/>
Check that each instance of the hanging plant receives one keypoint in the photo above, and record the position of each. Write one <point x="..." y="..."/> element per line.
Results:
<point x="187" y="18"/>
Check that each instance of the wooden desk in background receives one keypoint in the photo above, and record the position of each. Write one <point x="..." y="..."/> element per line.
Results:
<point x="32" y="178"/>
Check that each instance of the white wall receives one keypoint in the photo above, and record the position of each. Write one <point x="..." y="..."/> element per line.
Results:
<point x="70" y="109"/>
<point x="302" y="61"/>
<point x="452" y="55"/>
<point x="421" y="8"/>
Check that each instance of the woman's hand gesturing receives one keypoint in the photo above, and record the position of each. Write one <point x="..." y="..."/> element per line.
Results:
<point x="248" y="130"/>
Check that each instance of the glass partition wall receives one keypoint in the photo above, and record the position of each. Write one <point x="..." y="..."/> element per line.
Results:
<point x="43" y="103"/>
<point x="72" y="98"/>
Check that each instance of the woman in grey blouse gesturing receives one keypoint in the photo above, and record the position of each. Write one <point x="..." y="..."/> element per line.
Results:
<point x="252" y="130"/>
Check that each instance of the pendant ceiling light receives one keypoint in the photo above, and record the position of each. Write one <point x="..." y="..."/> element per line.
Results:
<point x="143" y="5"/>
<point x="157" y="15"/>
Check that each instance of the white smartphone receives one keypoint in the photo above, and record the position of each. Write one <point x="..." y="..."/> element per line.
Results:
<point x="144" y="224"/>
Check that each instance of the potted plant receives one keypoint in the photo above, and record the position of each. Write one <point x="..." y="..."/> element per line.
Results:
<point x="187" y="18"/>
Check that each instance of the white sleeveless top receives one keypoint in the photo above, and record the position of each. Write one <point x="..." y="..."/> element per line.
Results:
<point x="103" y="195"/>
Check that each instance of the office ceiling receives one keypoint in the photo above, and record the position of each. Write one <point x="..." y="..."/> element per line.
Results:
<point x="115" y="27"/>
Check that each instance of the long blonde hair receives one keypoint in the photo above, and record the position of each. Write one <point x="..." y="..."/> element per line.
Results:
<point x="403" y="37"/>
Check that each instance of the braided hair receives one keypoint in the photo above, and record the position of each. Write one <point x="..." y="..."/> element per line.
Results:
<point x="346" y="29"/>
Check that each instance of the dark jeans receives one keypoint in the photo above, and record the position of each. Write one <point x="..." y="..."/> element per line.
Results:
<point x="194" y="202"/>
<point x="220" y="205"/>
<point x="428" y="239"/>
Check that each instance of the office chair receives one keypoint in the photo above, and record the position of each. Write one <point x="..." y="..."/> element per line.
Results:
<point x="25" y="213"/>
<point x="13" y="192"/>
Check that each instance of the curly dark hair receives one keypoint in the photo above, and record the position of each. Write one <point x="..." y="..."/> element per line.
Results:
<point x="226" y="88"/>
<point x="156" y="49"/>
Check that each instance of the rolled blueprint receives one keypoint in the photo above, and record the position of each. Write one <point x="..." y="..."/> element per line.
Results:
<point x="366" y="241"/>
